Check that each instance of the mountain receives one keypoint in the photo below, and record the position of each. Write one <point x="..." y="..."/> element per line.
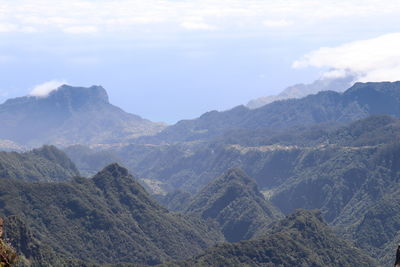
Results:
<point x="233" y="200"/>
<point x="360" y="101"/>
<point x="301" y="239"/>
<point x="106" y="219"/>
<point x="70" y="115"/>
<point x="44" y="164"/>
<point x="302" y="90"/>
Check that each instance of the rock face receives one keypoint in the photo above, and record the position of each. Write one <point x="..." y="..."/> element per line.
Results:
<point x="233" y="200"/>
<point x="70" y="115"/>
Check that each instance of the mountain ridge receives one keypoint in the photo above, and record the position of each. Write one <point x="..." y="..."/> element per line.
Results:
<point x="359" y="101"/>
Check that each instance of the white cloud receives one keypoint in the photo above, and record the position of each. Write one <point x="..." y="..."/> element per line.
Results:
<point x="110" y="15"/>
<point x="336" y="73"/>
<point x="277" y="23"/>
<point x="376" y="59"/>
<point x="7" y="27"/>
<point x="81" y="29"/>
<point x="197" y="25"/>
<point x="44" y="89"/>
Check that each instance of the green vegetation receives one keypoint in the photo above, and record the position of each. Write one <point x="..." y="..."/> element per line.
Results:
<point x="31" y="252"/>
<point x="345" y="172"/>
<point x="44" y="164"/>
<point x="109" y="218"/>
<point x="234" y="201"/>
<point x="301" y="239"/>
<point x="174" y="201"/>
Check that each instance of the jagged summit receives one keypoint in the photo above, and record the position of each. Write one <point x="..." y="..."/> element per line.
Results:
<point x="92" y="94"/>
<point x="70" y="115"/>
<point x="115" y="176"/>
<point x="114" y="170"/>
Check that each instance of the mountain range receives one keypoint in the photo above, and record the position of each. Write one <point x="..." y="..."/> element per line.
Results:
<point x="225" y="180"/>
<point x="359" y="101"/>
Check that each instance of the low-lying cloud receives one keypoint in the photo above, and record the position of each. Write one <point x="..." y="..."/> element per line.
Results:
<point x="44" y="89"/>
<point x="376" y="59"/>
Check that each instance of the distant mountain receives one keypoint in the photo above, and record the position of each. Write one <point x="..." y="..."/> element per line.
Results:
<point x="301" y="239"/>
<point x="107" y="219"/>
<point x="302" y="90"/>
<point x="233" y="200"/>
<point x="44" y="164"/>
<point x="70" y="115"/>
<point x="360" y="101"/>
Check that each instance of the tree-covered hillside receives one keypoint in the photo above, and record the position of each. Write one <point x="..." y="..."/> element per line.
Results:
<point x="44" y="164"/>
<point x="109" y="218"/>
<point x="235" y="202"/>
<point x="301" y="239"/>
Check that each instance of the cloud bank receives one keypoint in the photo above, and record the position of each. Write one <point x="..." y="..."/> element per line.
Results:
<point x="83" y="16"/>
<point x="376" y="59"/>
<point x="44" y="89"/>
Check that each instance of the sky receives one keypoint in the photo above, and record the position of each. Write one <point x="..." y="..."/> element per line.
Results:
<point x="168" y="60"/>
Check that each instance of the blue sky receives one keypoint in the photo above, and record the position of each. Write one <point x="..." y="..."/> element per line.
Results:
<point x="172" y="60"/>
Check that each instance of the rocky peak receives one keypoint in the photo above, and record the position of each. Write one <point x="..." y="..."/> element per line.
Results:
<point x="115" y="170"/>
<point x="79" y="95"/>
<point x="65" y="96"/>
